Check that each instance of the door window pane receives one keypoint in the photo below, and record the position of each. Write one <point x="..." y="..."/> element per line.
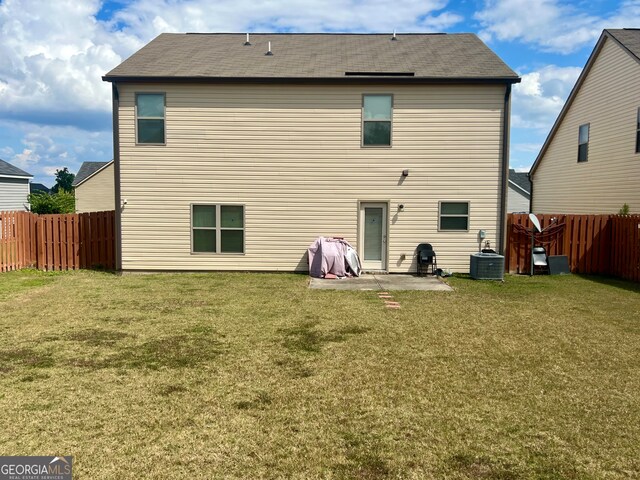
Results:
<point x="373" y="228"/>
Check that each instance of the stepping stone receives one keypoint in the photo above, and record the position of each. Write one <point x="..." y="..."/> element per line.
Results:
<point x="395" y="307"/>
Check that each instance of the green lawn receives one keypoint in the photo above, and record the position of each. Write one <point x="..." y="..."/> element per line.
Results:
<point x="255" y="376"/>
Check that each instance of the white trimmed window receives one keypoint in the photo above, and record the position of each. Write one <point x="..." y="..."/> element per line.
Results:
<point x="454" y="216"/>
<point x="217" y="229"/>
<point x="377" y="112"/>
<point x="150" y="114"/>
<point x="583" y="143"/>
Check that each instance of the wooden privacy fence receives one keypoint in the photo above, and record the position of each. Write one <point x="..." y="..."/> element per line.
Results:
<point x="57" y="242"/>
<point x="594" y="244"/>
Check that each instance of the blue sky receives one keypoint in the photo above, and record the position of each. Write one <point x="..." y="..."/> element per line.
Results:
<point x="55" y="110"/>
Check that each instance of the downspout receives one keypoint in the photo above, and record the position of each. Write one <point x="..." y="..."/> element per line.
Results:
<point x="116" y="172"/>
<point x="506" y="115"/>
<point x="530" y="192"/>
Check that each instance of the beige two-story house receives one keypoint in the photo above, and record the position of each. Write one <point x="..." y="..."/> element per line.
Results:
<point x="236" y="152"/>
<point x="94" y="187"/>
<point x="590" y="162"/>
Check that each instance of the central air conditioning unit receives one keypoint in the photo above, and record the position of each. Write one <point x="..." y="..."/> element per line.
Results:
<point x="487" y="266"/>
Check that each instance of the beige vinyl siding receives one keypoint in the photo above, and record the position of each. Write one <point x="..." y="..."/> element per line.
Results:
<point x="608" y="100"/>
<point x="516" y="201"/>
<point x="292" y="156"/>
<point x="14" y="194"/>
<point x="97" y="193"/>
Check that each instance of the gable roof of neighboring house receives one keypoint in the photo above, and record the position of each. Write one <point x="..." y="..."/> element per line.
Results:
<point x="8" y="170"/>
<point x="299" y="57"/>
<point x="88" y="170"/>
<point x="629" y="40"/>
<point x="520" y="182"/>
<point x="38" y="187"/>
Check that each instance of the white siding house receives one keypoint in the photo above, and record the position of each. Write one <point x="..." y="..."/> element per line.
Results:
<point x="519" y="197"/>
<point x="14" y="187"/>
<point x="240" y="164"/>
<point x="590" y="162"/>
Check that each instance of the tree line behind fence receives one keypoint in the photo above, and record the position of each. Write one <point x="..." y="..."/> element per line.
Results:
<point x="57" y="242"/>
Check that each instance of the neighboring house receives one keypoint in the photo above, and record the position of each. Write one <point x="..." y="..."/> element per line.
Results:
<point x="235" y="155"/>
<point x="590" y="162"/>
<point x="14" y="187"/>
<point x="94" y="187"/>
<point x="38" y="188"/>
<point x="519" y="197"/>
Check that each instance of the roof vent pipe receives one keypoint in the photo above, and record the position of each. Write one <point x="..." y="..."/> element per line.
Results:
<point x="269" y="52"/>
<point x="394" y="38"/>
<point x="247" y="42"/>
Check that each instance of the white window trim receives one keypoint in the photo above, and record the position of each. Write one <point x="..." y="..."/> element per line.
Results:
<point x="218" y="228"/>
<point x="456" y="215"/>
<point x="163" y="118"/>
<point x="362" y="144"/>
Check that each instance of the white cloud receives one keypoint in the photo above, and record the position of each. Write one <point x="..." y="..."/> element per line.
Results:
<point x="148" y="18"/>
<point x="551" y="25"/>
<point x="52" y="56"/>
<point x="44" y="148"/>
<point x="541" y="95"/>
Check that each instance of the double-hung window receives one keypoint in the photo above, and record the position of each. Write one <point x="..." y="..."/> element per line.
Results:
<point x="217" y="229"/>
<point x="583" y="143"/>
<point x="454" y="216"/>
<point x="377" y="111"/>
<point x="150" y="115"/>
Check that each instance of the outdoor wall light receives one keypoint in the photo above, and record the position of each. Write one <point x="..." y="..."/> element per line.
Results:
<point x="401" y="207"/>
<point x="405" y="173"/>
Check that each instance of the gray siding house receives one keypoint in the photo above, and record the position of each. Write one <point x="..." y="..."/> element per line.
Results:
<point x="235" y="153"/>
<point x="14" y="187"/>
<point x="519" y="198"/>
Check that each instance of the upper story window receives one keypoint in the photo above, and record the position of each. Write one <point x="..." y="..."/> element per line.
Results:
<point x="583" y="143"/>
<point x="150" y="110"/>
<point x="377" y="111"/>
<point x="638" y="132"/>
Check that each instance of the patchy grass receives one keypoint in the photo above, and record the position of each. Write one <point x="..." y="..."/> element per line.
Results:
<point x="255" y="376"/>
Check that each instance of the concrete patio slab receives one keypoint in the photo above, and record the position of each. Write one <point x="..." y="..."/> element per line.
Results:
<point x="381" y="282"/>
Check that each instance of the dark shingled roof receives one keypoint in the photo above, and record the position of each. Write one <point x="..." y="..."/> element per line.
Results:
<point x="38" y="187"/>
<point x="521" y="179"/>
<point x="8" y="170"/>
<point x="86" y="170"/>
<point x="314" y="56"/>
<point x="628" y="37"/>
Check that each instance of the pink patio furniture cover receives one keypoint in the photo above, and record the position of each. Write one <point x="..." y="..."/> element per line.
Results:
<point x="332" y="256"/>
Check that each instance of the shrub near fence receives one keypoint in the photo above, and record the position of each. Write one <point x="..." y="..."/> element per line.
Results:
<point x="57" y="242"/>
<point x="594" y="244"/>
